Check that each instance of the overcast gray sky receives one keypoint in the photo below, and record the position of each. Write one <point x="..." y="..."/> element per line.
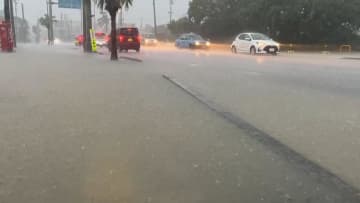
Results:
<point x="142" y="9"/>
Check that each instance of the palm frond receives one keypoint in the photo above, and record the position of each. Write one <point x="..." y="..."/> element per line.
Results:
<point x="126" y="3"/>
<point x="103" y="4"/>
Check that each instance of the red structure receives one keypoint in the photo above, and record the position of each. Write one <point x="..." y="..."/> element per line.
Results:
<point x="6" y="40"/>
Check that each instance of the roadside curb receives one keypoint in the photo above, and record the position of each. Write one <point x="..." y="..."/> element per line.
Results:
<point x="313" y="169"/>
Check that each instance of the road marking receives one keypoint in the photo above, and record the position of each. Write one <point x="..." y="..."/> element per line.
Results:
<point x="322" y="174"/>
<point x="194" y="65"/>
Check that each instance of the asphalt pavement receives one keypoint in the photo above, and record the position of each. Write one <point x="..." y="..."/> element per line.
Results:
<point x="77" y="127"/>
<point x="309" y="102"/>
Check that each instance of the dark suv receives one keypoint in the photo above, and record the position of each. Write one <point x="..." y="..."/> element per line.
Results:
<point x="128" y="39"/>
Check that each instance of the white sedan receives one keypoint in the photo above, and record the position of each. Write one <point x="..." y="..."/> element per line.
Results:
<point x="254" y="43"/>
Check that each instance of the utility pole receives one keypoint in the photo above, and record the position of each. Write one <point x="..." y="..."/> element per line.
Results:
<point x="81" y="16"/>
<point x="51" y="22"/>
<point x="121" y="17"/>
<point x="141" y="23"/>
<point x="51" y="30"/>
<point x="7" y="14"/>
<point x="155" y="25"/>
<point x="119" y="20"/>
<point x="22" y="31"/>
<point x="87" y="25"/>
<point x="94" y="22"/>
<point x="47" y="13"/>
<point x="171" y="10"/>
<point x="16" y="6"/>
<point x="12" y="21"/>
<point x="22" y="11"/>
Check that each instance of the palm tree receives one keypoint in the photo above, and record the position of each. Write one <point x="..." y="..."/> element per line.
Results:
<point x="113" y="6"/>
<point x="104" y="21"/>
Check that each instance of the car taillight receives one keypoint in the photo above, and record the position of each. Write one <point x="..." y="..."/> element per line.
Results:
<point x="138" y="38"/>
<point x="107" y="38"/>
<point x="121" y="38"/>
<point x="81" y="38"/>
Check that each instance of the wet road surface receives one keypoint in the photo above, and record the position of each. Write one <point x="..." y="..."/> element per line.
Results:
<point x="85" y="129"/>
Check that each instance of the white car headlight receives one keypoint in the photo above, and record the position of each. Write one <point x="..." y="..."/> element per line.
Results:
<point x="197" y="43"/>
<point x="208" y="43"/>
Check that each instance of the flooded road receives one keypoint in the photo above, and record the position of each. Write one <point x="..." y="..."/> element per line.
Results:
<point x="79" y="128"/>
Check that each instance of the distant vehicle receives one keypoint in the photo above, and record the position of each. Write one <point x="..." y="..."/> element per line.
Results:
<point x="254" y="43"/>
<point x="79" y="40"/>
<point x="101" y="39"/>
<point x="192" y="41"/>
<point x="57" y="41"/>
<point x="149" y="39"/>
<point x="128" y="38"/>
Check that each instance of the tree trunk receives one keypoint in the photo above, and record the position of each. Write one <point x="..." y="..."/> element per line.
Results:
<point x="114" y="55"/>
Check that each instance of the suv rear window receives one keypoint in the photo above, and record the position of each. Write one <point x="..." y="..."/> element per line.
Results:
<point x="129" y="31"/>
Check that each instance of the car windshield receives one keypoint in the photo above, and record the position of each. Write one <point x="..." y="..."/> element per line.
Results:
<point x="195" y="37"/>
<point x="179" y="101"/>
<point x="258" y="36"/>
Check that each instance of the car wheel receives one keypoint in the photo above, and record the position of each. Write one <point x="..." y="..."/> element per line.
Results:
<point x="137" y="50"/>
<point x="252" y="51"/>
<point x="233" y="49"/>
<point x="274" y="53"/>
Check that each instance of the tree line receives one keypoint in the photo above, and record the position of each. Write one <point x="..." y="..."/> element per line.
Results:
<point x="288" y="21"/>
